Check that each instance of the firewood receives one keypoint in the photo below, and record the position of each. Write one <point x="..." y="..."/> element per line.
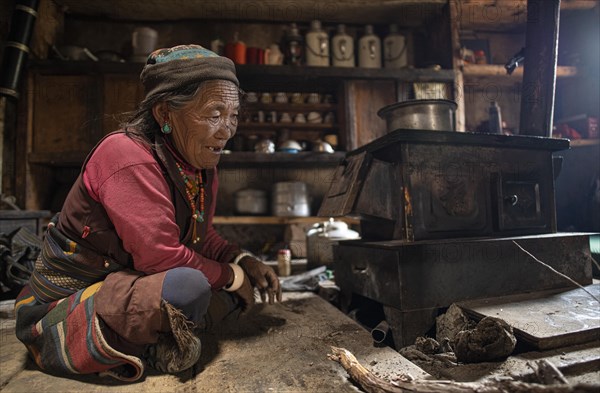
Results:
<point x="373" y="384"/>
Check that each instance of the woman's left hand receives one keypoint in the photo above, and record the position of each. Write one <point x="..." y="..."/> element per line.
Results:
<point x="262" y="277"/>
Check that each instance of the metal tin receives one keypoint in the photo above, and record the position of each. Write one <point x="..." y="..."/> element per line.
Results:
<point x="437" y="115"/>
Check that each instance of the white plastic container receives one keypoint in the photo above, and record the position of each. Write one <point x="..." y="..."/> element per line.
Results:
<point x="369" y="49"/>
<point x="394" y="49"/>
<point x="317" y="46"/>
<point x="342" y="48"/>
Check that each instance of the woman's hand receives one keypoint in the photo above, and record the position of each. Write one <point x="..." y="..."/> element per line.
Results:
<point x="262" y="277"/>
<point x="246" y="294"/>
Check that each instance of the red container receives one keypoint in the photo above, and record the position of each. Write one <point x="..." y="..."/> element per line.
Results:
<point x="255" y="55"/>
<point x="236" y="51"/>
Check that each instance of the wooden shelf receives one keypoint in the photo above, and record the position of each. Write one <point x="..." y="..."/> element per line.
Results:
<point x="290" y="107"/>
<point x="584" y="142"/>
<point x="301" y="159"/>
<point x="497" y="71"/>
<point x="65" y="159"/>
<point x="306" y="72"/>
<point x="75" y="159"/>
<point x="298" y="73"/>
<point x="290" y="126"/>
<point x="272" y="220"/>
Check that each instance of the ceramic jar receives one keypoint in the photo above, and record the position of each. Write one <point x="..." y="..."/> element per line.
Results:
<point x="369" y="49"/>
<point x="342" y="46"/>
<point x="394" y="49"/>
<point x="317" y="46"/>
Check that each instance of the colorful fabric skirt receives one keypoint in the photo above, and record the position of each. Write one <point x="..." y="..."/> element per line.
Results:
<point x="65" y="336"/>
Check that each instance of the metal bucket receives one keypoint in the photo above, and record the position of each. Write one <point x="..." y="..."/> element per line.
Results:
<point x="420" y="115"/>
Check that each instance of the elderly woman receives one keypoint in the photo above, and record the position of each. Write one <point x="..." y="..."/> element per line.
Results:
<point x="132" y="267"/>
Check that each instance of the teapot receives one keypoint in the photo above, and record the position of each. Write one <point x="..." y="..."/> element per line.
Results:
<point x="321" y="239"/>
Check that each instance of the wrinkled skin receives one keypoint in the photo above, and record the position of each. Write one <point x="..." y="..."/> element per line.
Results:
<point x="205" y="124"/>
<point x="200" y="131"/>
<point x="260" y="276"/>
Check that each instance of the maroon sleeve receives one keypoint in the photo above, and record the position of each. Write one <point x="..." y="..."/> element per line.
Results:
<point x="130" y="185"/>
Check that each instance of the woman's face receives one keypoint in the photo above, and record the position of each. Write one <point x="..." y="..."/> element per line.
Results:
<point x="203" y="126"/>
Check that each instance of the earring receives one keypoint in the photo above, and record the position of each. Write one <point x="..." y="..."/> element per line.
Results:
<point x="166" y="128"/>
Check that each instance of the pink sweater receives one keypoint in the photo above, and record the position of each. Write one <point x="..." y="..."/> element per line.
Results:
<point x="124" y="177"/>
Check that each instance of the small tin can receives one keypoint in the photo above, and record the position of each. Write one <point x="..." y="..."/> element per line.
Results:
<point x="284" y="262"/>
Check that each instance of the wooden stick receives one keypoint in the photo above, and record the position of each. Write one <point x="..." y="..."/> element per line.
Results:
<point x="373" y="384"/>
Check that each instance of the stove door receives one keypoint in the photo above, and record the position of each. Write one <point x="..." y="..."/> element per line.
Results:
<point x="519" y="204"/>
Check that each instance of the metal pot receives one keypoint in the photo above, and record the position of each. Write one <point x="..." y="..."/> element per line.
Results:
<point x="251" y="201"/>
<point x="419" y="114"/>
<point x="290" y="199"/>
<point x="321" y="239"/>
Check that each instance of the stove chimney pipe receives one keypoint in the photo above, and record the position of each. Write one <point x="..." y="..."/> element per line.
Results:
<point x="16" y="49"/>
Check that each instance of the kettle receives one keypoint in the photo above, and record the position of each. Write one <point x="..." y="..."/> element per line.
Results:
<point x="321" y="239"/>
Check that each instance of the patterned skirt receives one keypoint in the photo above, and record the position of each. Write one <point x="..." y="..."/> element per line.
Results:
<point x="65" y="337"/>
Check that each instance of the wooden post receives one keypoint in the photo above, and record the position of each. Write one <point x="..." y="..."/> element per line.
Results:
<point x="457" y="63"/>
<point x="539" y="76"/>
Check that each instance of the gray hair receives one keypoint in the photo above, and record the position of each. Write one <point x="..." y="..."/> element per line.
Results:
<point x="142" y="125"/>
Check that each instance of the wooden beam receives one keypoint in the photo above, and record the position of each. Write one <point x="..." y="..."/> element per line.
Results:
<point x="459" y="83"/>
<point x="539" y="76"/>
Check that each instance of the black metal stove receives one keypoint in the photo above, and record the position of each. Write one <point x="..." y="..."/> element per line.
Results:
<point x="440" y="212"/>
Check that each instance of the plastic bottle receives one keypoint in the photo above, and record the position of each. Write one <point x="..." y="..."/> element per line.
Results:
<point x="495" y="119"/>
<point x="342" y="47"/>
<point x="394" y="49"/>
<point x="369" y="49"/>
<point x="293" y="46"/>
<point x="317" y="46"/>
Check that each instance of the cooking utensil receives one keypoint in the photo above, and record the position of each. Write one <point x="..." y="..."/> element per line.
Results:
<point x="290" y="146"/>
<point x="322" y="147"/>
<point x="321" y="239"/>
<point x="419" y="114"/>
<point x="265" y="146"/>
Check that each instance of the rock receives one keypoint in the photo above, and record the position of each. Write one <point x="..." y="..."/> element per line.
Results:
<point x="448" y="325"/>
<point x="427" y="345"/>
<point x="492" y="339"/>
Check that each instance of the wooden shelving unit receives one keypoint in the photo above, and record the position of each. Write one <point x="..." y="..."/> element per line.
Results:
<point x="75" y="159"/>
<point x="290" y="73"/>
<point x="497" y="72"/>
<point x="291" y="126"/>
<point x="272" y="220"/>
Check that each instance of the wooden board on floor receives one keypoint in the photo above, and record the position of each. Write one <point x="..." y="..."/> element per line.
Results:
<point x="275" y="348"/>
<point x="546" y="320"/>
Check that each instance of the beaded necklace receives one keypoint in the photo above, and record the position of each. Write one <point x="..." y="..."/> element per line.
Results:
<point x="192" y="190"/>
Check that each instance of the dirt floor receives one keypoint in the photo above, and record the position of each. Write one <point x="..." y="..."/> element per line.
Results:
<point x="283" y="348"/>
<point x="280" y="348"/>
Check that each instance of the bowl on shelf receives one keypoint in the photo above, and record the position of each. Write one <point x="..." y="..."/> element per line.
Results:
<point x="290" y="146"/>
<point x="321" y="147"/>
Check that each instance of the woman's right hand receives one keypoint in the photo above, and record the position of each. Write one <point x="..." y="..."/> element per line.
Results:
<point x="246" y="294"/>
